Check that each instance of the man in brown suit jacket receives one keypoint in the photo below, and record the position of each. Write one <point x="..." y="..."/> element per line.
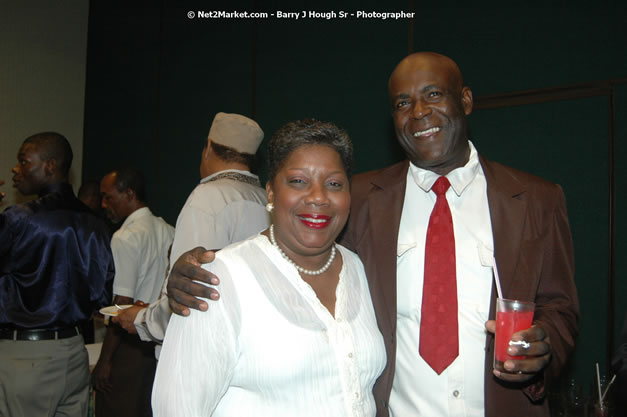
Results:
<point x="533" y="265"/>
<point x="530" y="231"/>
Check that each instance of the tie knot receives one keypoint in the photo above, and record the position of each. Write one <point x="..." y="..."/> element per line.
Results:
<point x="440" y="186"/>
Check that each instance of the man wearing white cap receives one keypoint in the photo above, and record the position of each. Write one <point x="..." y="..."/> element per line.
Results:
<point x="227" y="206"/>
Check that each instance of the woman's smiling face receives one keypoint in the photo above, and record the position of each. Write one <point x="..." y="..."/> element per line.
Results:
<point x="311" y="197"/>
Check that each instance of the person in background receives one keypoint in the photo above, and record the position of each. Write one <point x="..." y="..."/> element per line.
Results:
<point x="296" y="333"/>
<point x="435" y="298"/>
<point x="125" y="369"/>
<point x="56" y="269"/>
<point x="89" y="193"/>
<point x="227" y="206"/>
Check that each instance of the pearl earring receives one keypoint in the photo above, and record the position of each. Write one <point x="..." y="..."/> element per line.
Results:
<point x="269" y="207"/>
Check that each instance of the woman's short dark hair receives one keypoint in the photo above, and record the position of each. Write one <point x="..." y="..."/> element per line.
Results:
<point x="293" y="135"/>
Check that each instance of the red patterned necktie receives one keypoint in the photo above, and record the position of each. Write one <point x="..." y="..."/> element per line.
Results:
<point x="439" y="345"/>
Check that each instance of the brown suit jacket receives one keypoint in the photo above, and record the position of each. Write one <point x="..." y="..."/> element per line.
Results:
<point x="533" y="249"/>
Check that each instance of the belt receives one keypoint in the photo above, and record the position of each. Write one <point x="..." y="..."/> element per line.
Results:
<point x="40" y="334"/>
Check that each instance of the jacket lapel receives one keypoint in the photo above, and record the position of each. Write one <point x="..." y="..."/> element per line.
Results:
<point x="386" y="206"/>
<point x="508" y="206"/>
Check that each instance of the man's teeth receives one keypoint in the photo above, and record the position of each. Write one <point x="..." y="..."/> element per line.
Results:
<point x="427" y="132"/>
<point x="310" y="220"/>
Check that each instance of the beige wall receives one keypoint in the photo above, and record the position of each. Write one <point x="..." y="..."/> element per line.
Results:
<point x="42" y="77"/>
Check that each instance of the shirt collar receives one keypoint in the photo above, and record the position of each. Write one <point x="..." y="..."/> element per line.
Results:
<point x="208" y="178"/>
<point x="137" y="214"/>
<point x="459" y="178"/>
<point x="60" y="187"/>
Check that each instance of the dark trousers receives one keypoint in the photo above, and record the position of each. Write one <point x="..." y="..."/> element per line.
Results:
<point x="132" y="375"/>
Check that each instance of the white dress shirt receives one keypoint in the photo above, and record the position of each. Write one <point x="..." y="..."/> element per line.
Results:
<point x="140" y="253"/>
<point x="458" y="391"/>
<point x="217" y="213"/>
<point x="268" y="347"/>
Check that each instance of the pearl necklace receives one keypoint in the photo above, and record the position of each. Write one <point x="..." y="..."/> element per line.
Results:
<point x="300" y="268"/>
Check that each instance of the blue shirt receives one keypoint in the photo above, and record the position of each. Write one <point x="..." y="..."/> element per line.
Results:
<point x="56" y="266"/>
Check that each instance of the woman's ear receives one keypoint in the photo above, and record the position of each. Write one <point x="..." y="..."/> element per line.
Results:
<point x="269" y="192"/>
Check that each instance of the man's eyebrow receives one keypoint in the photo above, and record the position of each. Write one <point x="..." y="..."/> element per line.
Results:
<point x="424" y="89"/>
<point x="430" y="87"/>
<point x="401" y="95"/>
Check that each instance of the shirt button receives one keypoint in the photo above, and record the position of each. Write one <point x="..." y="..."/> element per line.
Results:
<point x="350" y="355"/>
<point x="455" y="393"/>
<point x="356" y="395"/>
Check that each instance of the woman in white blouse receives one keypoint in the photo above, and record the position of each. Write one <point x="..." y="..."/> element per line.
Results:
<point x="294" y="332"/>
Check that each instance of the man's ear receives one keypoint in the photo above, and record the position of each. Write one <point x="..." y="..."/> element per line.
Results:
<point x="50" y="167"/>
<point x="130" y="194"/>
<point x="467" y="100"/>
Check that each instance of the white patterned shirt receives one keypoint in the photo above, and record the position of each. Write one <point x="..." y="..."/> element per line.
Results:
<point x="268" y="347"/>
<point x="220" y="211"/>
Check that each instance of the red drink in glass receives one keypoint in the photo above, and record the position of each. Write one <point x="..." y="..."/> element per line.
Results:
<point x="511" y="316"/>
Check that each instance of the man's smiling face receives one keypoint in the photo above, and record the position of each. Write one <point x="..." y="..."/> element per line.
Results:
<point x="429" y="107"/>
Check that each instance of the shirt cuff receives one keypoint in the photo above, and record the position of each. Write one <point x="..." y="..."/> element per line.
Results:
<point x="140" y="325"/>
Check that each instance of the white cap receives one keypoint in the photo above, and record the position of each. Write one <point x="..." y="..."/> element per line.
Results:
<point x="237" y="132"/>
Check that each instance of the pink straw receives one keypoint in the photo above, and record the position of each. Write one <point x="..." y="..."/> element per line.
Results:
<point x="497" y="280"/>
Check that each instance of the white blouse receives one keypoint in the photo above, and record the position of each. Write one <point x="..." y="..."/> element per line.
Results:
<point x="268" y="347"/>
